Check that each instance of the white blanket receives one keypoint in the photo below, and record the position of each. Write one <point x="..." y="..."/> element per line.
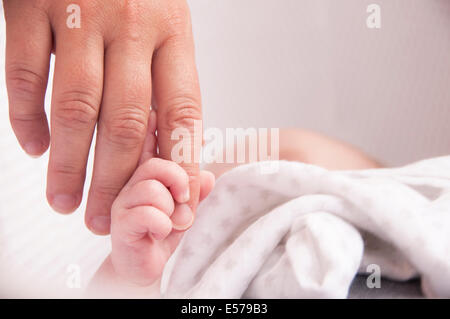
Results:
<point x="305" y="232"/>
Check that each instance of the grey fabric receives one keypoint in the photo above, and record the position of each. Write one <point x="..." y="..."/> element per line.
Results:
<point x="389" y="289"/>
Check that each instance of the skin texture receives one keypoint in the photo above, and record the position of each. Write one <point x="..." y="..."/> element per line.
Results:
<point x="127" y="56"/>
<point x="145" y="227"/>
<point x="148" y="219"/>
<point x="138" y="258"/>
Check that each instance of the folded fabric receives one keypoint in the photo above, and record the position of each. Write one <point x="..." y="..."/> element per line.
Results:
<point x="306" y="232"/>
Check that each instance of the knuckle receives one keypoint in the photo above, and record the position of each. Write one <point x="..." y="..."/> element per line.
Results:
<point x="76" y="109"/>
<point x="177" y="20"/>
<point x="105" y="193"/>
<point x="89" y="8"/>
<point x="137" y="17"/>
<point x="152" y="186"/>
<point x="67" y="169"/>
<point x="24" y="83"/>
<point x="40" y="4"/>
<point x="152" y="162"/>
<point x="183" y="114"/>
<point x="132" y="11"/>
<point x="26" y="118"/>
<point x="128" y="128"/>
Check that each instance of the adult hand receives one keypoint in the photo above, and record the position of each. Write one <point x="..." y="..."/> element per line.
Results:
<point x="110" y="54"/>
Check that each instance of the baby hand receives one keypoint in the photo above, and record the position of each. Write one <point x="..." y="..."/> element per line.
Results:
<point x="148" y="218"/>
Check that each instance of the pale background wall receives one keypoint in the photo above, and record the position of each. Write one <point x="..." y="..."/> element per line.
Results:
<point x="262" y="63"/>
<point x="315" y="64"/>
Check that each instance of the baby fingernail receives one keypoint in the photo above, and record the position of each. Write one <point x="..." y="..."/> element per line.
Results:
<point x="182" y="218"/>
<point x="185" y="196"/>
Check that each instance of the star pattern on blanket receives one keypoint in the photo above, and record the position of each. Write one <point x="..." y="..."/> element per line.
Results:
<point x="294" y="183"/>
<point x="246" y="209"/>
<point x="187" y="252"/>
<point x="207" y="238"/>
<point x="213" y="200"/>
<point x="309" y="233"/>
<point x="265" y="194"/>
<point x="226" y="222"/>
<point x="232" y="189"/>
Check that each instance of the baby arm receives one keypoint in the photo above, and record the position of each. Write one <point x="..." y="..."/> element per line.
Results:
<point x="311" y="148"/>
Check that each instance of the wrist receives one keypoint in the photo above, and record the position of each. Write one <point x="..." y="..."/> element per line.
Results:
<point x="107" y="282"/>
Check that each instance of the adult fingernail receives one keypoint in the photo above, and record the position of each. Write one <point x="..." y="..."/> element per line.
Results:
<point x="182" y="218"/>
<point x="63" y="203"/>
<point x="100" y="225"/>
<point x="34" y="149"/>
